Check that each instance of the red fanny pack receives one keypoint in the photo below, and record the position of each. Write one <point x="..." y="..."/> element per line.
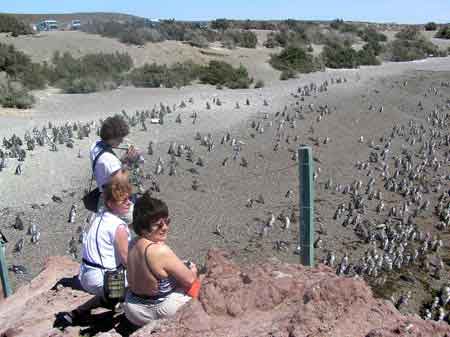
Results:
<point x="194" y="290"/>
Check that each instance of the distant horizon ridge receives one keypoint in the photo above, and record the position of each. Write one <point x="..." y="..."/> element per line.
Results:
<point x="112" y="13"/>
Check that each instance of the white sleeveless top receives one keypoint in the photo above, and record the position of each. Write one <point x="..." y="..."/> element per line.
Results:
<point x="103" y="233"/>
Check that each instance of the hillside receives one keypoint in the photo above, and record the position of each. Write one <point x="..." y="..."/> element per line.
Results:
<point x="41" y="47"/>
<point x="68" y="17"/>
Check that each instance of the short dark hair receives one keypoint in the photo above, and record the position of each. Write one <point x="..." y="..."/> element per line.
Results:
<point x="146" y="211"/>
<point x="114" y="127"/>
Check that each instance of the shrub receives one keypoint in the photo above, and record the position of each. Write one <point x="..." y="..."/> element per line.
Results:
<point x="431" y="26"/>
<point x="409" y="33"/>
<point x="80" y="85"/>
<point x="89" y="73"/>
<point x="259" y="84"/>
<point x="339" y="56"/>
<point x="367" y="56"/>
<point x="139" y="31"/>
<point x="248" y="39"/>
<point x="295" y="59"/>
<point x="344" y="56"/>
<point x="18" y="67"/>
<point x="155" y="76"/>
<point x="443" y="33"/>
<point x="198" y="40"/>
<point x="284" y="38"/>
<point x="10" y="24"/>
<point x="220" y="24"/>
<point x="132" y="37"/>
<point x="408" y="50"/>
<point x="15" y="95"/>
<point x="241" y="38"/>
<point x="374" y="46"/>
<point x="410" y="45"/>
<point x="228" y="42"/>
<point x="370" y="34"/>
<point x="218" y="72"/>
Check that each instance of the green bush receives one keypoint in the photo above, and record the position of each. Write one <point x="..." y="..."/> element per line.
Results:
<point x="431" y="26"/>
<point x="15" y="95"/>
<point x="140" y="31"/>
<point x="197" y="40"/>
<point x="409" y="50"/>
<point x="132" y="37"/>
<point x="409" y="33"/>
<point x="410" y="45"/>
<point x="80" y="85"/>
<point x="339" y="56"/>
<point x="20" y="76"/>
<point x="344" y="56"/>
<point x="443" y="33"/>
<point x="219" y="72"/>
<point x="295" y="59"/>
<point x="285" y="37"/>
<point x="92" y="72"/>
<point x="216" y="73"/>
<point x="10" y="24"/>
<point x="18" y="67"/>
<point x="155" y="76"/>
<point x="370" y="34"/>
<point x="367" y="56"/>
<point x="241" y="38"/>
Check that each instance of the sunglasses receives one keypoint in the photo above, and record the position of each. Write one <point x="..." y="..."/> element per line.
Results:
<point x="161" y="222"/>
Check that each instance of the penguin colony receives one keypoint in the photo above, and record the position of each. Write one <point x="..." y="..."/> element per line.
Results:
<point x="410" y="160"/>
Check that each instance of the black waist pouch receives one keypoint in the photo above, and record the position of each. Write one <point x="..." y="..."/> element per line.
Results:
<point x="90" y="200"/>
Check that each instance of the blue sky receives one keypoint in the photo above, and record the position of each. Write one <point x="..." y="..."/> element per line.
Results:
<point x="401" y="11"/>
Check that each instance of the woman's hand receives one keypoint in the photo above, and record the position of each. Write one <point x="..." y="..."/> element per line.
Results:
<point x="193" y="268"/>
<point x="132" y="152"/>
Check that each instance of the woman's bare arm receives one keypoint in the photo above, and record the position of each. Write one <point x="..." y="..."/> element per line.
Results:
<point x="176" y="268"/>
<point x="121" y="244"/>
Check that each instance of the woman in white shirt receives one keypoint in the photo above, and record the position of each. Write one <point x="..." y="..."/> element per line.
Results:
<point x="105" y="247"/>
<point x="105" y="163"/>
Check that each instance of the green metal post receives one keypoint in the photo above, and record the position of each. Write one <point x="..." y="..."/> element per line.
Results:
<point x="306" y="202"/>
<point x="4" y="271"/>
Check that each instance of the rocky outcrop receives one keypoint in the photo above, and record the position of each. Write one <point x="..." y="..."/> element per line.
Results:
<point x="31" y="310"/>
<point x="270" y="299"/>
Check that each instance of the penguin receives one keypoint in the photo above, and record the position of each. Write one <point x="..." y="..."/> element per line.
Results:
<point x="18" y="247"/>
<point x="287" y="223"/>
<point x="271" y="221"/>
<point x="72" y="214"/>
<point x="18" y="224"/>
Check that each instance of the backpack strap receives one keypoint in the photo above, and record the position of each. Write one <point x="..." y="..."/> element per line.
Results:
<point x="104" y="148"/>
